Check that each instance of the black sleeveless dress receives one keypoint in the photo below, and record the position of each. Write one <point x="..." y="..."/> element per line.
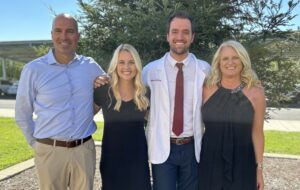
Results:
<point x="227" y="160"/>
<point x="124" y="157"/>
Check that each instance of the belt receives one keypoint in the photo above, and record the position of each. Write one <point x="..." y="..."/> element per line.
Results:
<point x="68" y="144"/>
<point x="181" y="141"/>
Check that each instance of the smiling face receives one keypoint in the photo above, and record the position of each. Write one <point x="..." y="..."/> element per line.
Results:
<point x="65" y="36"/>
<point x="180" y="37"/>
<point x="126" y="68"/>
<point x="230" y="63"/>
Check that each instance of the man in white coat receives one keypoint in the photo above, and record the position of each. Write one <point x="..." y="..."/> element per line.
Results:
<point x="175" y="155"/>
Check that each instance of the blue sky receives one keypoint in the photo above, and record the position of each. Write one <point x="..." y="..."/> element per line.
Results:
<point x="32" y="19"/>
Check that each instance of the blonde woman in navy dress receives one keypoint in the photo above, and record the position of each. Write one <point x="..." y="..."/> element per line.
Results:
<point x="124" y="160"/>
<point x="233" y="113"/>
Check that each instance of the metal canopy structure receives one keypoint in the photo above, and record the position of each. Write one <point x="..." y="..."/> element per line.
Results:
<point x="21" y="51"/>
<point x="16" y="53"/>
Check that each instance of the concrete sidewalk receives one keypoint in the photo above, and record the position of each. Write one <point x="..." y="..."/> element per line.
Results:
<point x="11" y="113"/>
<point x="278" y="125"/>
<point x="282" y="125"/>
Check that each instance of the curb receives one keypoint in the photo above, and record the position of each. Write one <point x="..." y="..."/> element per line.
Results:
<point x="18" y="168"/>
<point x="285" y="156"/>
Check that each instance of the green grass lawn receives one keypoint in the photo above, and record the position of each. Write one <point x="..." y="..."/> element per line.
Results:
<point x="14" y="149"/>
<point x="99" y="133"/>
<point x="13" y="146"/>
<point x="282" y="142"/>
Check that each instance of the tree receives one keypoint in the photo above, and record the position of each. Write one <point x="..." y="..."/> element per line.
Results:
<point x="41" y="50"/>
<point x="269" y="47"/>
<point x="108" y="23"/>
<point x="277" y="73"/>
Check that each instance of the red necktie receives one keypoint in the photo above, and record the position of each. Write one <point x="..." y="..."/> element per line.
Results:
<point x="178" y="108"/>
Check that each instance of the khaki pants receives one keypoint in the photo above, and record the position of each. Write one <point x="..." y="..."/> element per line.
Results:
<point x="59" y="168"/>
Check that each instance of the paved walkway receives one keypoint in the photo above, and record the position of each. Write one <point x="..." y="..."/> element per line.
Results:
<point x="4" y="112"/>
<point x="278" y="125"/>
<point x="279" y="174"/>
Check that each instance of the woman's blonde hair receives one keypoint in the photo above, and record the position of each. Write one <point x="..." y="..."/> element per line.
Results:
<point x="140" y="98"/>
<point x="248" y="76"/>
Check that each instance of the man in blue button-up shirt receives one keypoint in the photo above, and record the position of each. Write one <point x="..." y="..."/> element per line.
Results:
<point x="58" y="88"/>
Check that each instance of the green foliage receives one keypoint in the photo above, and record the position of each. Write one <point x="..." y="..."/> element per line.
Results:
<point x="108" y="23"/>
<point x="13" y="69"/>
<point x="41" y="50"/>
<point x="278" y="72"/>
<point x="282" y="142"/>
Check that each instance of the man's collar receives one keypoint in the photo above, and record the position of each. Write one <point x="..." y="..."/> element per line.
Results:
<point x="173" y="62"/>
<point x="52" y="60"/>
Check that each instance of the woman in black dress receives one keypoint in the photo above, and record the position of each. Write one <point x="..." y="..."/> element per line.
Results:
<point x="124" y="160"/>
<point x="233" y="113"/>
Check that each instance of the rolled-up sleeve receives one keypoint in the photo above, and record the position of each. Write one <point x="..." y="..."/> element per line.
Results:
<point x="24" y="104"/>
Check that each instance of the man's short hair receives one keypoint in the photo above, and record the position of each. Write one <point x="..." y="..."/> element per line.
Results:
<point x="183" y="15"/>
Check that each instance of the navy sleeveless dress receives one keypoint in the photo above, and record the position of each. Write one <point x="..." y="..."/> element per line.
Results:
<point x="227" y="160"/>
<point x="124" y="158"/>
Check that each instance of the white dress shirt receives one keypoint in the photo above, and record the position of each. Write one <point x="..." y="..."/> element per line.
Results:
<point x="189" y="69"/>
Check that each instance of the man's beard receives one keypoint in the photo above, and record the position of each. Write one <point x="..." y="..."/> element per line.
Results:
<point x="179" y="52"/>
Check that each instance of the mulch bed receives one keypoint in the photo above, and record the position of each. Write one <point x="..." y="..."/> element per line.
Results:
<point x="279" y="174"/>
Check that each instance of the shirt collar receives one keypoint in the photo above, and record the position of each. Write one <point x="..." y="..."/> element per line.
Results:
<point x="51" y="58"/>
<point x="173" y="62"/>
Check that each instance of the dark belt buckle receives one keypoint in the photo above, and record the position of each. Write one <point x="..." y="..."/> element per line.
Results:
<point x="70" y="144"/>
<point x="180" y="141"/>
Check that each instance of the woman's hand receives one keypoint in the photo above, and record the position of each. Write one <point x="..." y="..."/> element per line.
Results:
<point x="259" y="179"/>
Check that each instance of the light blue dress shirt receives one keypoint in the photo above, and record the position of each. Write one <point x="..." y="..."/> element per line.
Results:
<point x="60" y="95"/>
